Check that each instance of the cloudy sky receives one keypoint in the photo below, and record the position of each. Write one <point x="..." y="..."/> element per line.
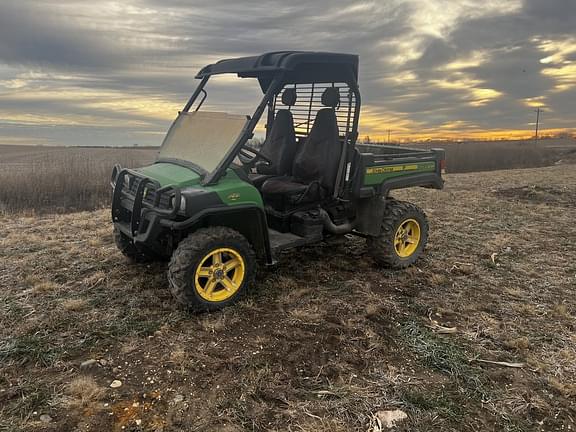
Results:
<point x="76" y="72"/>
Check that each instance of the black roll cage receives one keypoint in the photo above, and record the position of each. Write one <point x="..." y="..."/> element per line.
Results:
<point x="276" y="80"/>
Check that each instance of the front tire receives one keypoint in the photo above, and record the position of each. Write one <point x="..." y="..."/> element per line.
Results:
<point x="211" y="268"/>
<point x="403" y="235"/>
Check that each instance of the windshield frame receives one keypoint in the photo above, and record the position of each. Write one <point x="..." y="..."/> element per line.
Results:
<point x="210" y="178"/>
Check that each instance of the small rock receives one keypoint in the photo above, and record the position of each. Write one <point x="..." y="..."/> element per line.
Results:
<point x="87" y="364"/>
<point x="389" y="418"/>
<point x="115" y="383"/>
<point x="102" y="362"/>
<point x="138" y="422"/>
<point x="178" y="398"/>
<point x="45" y="418"/>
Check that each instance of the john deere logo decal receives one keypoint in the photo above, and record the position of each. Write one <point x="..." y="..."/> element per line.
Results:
<point x="234" y="196"/>
<point x="397" y="168"/>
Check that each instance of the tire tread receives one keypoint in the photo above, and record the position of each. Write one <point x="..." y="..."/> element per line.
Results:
<point x="191" y="249"/>
<point x="382" y="247"/>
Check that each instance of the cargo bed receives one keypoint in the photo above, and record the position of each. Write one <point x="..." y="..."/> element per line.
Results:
<point x="387" y="167"/>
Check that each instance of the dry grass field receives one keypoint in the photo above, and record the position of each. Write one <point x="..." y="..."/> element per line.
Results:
<point x="473" y="156"/>
<point x="61" y="179"/>
<point x="40" y="180"/>
<point x="326" y="341"/>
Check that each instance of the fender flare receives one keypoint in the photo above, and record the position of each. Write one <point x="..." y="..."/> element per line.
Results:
<point x="248" y="219"/>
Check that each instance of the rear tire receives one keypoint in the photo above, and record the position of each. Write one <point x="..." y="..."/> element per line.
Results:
<point x="211" y="268"/>
<point x="403" y="235"/>
<point x="126" y="246"/>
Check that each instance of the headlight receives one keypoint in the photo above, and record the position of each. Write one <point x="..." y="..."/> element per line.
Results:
<point x="182" y="208"/>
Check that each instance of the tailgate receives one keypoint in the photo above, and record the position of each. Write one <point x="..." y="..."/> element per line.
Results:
<point x="401" y="168"/>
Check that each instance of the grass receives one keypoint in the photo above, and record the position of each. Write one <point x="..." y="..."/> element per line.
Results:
<point x="497" y="155"/>
<point x="38" y="180"/>
<point x="28" y="397"/>
<point x="63" y="180"/>
<point x="439" y="403"/>
<point x="29" y="349"/>
<point x="324" y="341"/>
<point x="438" y="352"/>
<point x="474" y="156"/>
<point x="83" y="391"/>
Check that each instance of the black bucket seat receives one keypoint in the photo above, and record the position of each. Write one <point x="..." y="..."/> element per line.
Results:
<point x="280" y="144"/>
<point x="316" y="163"/>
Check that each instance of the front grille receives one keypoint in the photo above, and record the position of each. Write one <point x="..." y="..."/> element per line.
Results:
<point x="150" y="197"/>
<point x="134" y="196"/>
<point x="130" y="187"/>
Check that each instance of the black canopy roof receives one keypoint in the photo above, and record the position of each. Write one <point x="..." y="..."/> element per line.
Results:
<point x="297" y="67"/>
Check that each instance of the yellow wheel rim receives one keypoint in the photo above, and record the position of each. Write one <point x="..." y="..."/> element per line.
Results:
<point x="219" y="275"/>
<point x="407" y="238"/>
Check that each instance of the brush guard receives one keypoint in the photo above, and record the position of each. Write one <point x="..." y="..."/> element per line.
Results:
<point x="130" y="207"/>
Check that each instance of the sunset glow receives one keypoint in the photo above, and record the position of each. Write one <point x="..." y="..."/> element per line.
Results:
<point x="117" y="73"/>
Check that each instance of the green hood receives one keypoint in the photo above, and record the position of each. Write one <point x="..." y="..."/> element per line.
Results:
<point x="168" y="174"/>
<point x="231" y="189"/>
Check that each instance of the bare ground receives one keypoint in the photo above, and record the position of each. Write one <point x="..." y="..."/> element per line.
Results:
<point x="326" y="339"/>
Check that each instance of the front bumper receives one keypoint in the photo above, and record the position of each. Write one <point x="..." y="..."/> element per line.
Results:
<point x="139" y="203"/>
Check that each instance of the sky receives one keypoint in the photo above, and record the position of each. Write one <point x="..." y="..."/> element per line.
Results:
<point x="76" y="72"/>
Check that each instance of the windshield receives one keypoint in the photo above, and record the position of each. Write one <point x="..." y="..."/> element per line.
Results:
<point x="203" y="134"/>
<point x="202" y="137"/>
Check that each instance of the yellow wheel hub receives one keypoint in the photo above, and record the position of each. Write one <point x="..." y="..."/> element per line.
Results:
<point x="407" y="238"/>
<point x="219" y="275"/>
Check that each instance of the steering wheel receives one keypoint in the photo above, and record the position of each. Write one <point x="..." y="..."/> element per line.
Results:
<point x="249" y="156"/>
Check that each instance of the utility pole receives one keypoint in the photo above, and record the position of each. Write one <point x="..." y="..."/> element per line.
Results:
<point x="537" y="124"/>
<point x="388" y="136"/>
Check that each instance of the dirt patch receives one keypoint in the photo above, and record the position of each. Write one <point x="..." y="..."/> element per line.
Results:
<point x="551" y="195"/>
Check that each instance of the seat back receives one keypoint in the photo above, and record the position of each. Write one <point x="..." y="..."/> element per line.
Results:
<point x="280" y="144"/>
<point x="318" y="158"/>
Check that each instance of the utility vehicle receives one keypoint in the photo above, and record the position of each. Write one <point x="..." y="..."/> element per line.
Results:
<point x="216" y="205"/>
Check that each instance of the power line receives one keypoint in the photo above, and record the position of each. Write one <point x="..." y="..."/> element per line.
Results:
<point x="537" y="111"/>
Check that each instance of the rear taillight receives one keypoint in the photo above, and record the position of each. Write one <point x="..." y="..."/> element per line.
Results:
<point x="443" y="166"/>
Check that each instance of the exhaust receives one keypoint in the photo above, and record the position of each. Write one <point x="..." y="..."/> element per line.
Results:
<point x="331" y="227"/>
